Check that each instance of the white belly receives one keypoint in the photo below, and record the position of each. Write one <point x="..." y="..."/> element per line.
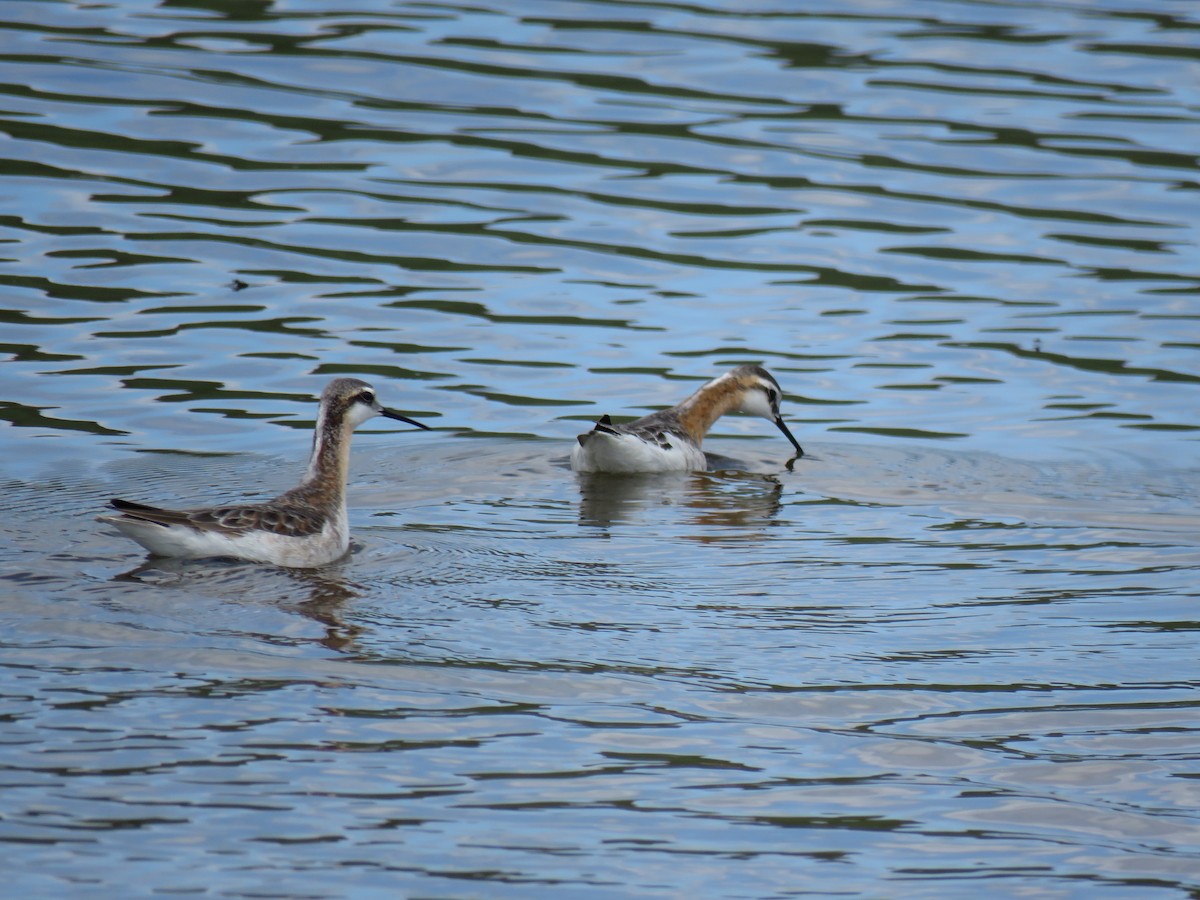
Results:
<point x="626" y="453"/>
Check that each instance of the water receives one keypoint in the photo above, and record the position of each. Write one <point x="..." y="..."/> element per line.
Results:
<point x="951" y="650"/>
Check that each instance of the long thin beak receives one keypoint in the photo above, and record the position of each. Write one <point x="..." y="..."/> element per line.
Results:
<point x="392" y="414"/>
<point x="782" y="427"/>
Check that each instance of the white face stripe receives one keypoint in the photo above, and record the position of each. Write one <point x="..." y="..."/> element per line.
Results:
<point x="772" y="392"/>
<point x="359" y="412"/>
<point x="755" y="402"/>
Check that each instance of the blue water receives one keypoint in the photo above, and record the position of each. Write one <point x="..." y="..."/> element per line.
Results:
<point x="951" y="650"/>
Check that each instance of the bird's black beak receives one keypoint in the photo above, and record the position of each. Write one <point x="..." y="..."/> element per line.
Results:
<point x="795" y="443"/>
<point x="392" y="414"/>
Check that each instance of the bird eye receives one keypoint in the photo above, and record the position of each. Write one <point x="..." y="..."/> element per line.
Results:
<point x="366" y="397"/>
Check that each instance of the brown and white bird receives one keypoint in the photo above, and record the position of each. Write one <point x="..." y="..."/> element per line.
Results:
<point x="670" y="440"/>
<point x="302" y="528"/>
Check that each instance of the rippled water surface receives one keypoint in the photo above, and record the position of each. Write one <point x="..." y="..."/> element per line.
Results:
<point x="952" y="650"/>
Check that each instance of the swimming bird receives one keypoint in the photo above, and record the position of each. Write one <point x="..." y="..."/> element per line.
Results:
<point x="669" y="440"/>
<point x="302" y="528"/>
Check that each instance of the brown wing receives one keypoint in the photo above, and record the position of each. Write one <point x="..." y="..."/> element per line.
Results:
<point x="659" y="428"/>
<point x="286" y="520"/>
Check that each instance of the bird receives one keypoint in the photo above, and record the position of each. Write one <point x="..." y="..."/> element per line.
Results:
<point x="670" y="440"/>
<point x="305" y="527"/>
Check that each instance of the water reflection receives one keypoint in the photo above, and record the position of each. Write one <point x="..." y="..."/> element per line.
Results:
<point x="735" y="503"/>
<point x="329" y="597"/>
<point x="606" y="500"/>
<point x="321" y="595"/>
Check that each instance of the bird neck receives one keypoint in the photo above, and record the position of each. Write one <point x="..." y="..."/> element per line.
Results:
<point x="324" y="482"/>
<point x="699" y="411"/>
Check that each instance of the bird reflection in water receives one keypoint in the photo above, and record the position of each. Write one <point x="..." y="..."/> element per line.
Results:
<point x="318" y="594"/>
<point x="722" y="499"/>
